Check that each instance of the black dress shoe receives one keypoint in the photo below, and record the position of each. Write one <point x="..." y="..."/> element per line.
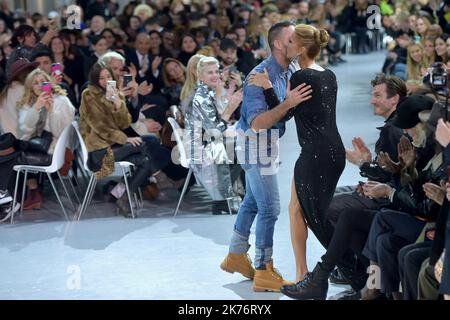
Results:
<point x="349" y="294"/>
<point x="337" y="277"/>
<point x="313" y="287"/>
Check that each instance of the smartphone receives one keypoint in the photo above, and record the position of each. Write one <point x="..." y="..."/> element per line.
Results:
<point x="56" y="68"/>
<point x="233" y="69"/>
<point x="47" y="87"/>
<point x="127" y="78"/>
<point x="111" y="87"/>
<point x="448" y="173"/>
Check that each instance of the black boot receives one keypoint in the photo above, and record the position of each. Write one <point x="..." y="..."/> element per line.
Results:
<point x="313" y="286"/>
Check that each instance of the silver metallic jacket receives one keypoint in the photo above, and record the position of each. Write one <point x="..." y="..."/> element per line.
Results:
<point x="204" y="143"/>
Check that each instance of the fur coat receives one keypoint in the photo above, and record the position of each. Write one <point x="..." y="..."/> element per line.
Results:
<point x="102" y="127"/>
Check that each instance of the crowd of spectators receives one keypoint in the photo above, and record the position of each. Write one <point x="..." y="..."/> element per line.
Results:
<point x="174" y="56"/>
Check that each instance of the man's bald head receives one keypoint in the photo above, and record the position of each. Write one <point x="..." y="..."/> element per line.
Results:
<point x="142" y="43"/>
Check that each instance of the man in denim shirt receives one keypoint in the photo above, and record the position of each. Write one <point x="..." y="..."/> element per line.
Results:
<point x="257" y="147"/>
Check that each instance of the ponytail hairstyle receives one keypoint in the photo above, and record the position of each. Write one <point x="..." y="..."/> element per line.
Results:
<point x="312" y="38"/>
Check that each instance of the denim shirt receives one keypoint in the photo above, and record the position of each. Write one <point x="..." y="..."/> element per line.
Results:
<point x="254" y="104"/>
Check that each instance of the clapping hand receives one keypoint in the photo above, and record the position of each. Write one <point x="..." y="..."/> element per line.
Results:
<point x="144" y="88"/>
<point x="376" y="190"/>
<point x="360" y="153"/>
<point x="387" y="164"/>
<point x="406" y="156"/>
<point x="155" y="63"/>
<point x="435" y="192"/>
<point x="406" y="152"/>
<point x="443" y="133"/>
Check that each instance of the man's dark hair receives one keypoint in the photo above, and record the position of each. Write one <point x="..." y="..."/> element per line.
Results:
<point x="275" y="31"/>
<point x="226" y="44"/>
<point x="42" y="53"/>
<point x="20" y="32"/>
<point x="394" y="85"/>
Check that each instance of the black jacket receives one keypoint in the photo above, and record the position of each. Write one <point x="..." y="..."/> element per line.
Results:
<point x="158" y="82"/>
<point x="387" y="142"/>
<point x="411" y="198"/>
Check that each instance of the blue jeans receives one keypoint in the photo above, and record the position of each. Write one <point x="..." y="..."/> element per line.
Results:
<point x="262" y="199"/>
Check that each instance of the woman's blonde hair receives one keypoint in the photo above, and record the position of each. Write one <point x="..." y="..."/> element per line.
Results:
<point x="313" y="39"/>
<point x="414" y="69"/>
<point x="191" y="76"/>
<point x="207" y="51"/>
<point x="29" y="97"/>
<point x="206" y="61"/>
<point x="143" y="8"/>
<point x="434" y="31"/>
<point x="168" y="81"/>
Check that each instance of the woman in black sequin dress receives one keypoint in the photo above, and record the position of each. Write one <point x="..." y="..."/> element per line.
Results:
<point x="322" y="158"/>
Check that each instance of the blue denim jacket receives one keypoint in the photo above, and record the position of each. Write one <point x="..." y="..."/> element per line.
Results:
<point x="261" y="148"/>
<point x="254" y="102"/>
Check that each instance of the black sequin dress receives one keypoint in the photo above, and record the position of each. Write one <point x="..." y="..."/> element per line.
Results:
<point x="322" y="158"/>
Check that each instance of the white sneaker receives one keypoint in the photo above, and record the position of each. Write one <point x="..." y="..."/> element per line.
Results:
<point x="8" y="212"/>
<point x="5" y="197"/>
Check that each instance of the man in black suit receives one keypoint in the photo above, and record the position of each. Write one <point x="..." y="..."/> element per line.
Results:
<point x="149" y="69"/>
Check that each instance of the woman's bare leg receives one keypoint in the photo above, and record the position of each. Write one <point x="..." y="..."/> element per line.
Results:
<point x="299" y="234"/>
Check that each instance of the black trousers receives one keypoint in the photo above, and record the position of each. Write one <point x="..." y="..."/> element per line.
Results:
<point x="390" y="231"/>
<point x="350" y="233"/>
<point x="410" y="259"/>
<point x="349" y="216"/>
<point x="139" y="157"/>
<point x="346" y="201"/>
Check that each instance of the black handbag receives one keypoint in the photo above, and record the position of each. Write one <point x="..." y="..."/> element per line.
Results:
<point x="40" y="144"/>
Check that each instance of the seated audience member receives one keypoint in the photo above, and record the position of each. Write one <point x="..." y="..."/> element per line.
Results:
<point x="149" y="68"/>
<point x="24" y="42"/>
<point x="43" y="114"/>
<point x="210" y="162"/>
<point x="45" y="60"/>
<point x="418" y="200"/>
<point x="99" y="48"/>
<point x="103" y="117"/>
<point x="416" y="66"/>
<point x="395" y="63"/>
<point x="440" y="45"/>
<point x="188" y="48"/>
<point x="431" y="243"/>
<point x="174" y="76"/>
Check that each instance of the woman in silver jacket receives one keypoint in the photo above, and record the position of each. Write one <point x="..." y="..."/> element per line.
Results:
<point x="206" y="134"/>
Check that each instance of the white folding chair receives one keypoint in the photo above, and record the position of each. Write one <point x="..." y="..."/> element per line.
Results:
<point x="183" y="159"/>
<point x="57" y="163"/>
<point x="124" y="165"/>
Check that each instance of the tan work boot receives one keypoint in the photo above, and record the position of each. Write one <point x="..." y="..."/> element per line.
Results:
<point x="238" y="262"/>
<point x="269" y="279"/>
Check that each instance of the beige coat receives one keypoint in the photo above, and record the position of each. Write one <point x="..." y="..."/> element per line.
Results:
<point x="61" y="117"/>
<point x="9" y="113"/>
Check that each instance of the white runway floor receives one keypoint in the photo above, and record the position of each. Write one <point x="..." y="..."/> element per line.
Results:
<point x="156" y="256"/>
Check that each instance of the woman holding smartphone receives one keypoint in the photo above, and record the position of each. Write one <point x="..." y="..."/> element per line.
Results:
<point x="103" y="117"/>
<point x="44" y="110"/>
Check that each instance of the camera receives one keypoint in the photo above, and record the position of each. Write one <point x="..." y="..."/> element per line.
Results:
<point x="438" y="76"/>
